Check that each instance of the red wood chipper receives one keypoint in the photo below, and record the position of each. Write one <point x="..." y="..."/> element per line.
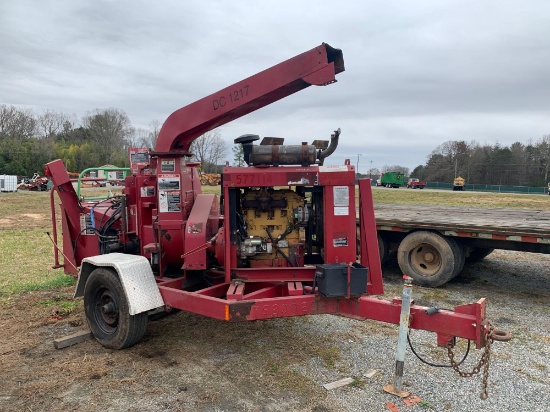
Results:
<point x="280" y="241"/>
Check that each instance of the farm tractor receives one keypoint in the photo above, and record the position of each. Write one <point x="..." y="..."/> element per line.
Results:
<point x="279" y="241"/>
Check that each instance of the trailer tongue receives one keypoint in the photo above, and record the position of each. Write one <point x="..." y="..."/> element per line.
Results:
<point x="280" y="242"/>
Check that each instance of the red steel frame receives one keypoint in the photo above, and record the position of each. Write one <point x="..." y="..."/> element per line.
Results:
<point x="249" y="294"/>
<point x="273" y="293"/>
<point x="263" y="294"/>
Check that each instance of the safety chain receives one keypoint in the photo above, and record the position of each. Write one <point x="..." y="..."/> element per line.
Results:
<point x="483" y="362"/>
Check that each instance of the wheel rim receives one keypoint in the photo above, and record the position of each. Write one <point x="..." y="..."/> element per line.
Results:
<point x="426" y="259"/>
<point x="106" y="311"/>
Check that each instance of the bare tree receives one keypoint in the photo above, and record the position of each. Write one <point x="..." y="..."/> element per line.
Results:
<point x="139" y="138"/>
<point x="373" y="173"/>
<point x="210" y="150"/>
<point x="153" y="134"/>
<point x="146" y="137"/>
<point x="52" y="122"/>
<point x="396" y="168"/>
<point x="111" y="130"/>
<point x="16" y="123"/>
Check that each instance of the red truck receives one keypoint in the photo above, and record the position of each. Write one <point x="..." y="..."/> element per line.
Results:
<point x="415" y="183"/>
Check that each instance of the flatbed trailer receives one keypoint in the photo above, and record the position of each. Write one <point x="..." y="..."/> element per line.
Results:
<point x="434" y="242"/>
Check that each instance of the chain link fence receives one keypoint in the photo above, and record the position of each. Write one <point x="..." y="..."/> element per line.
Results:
<point x="492" y="188"/>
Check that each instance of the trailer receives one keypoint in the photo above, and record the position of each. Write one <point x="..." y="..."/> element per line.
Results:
<point x="433" y="242"/>
<point x="279" y="242"/>
<point x="391" y="179"/>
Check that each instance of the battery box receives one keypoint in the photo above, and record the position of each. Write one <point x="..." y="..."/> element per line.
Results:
<point x="332" y="279"/>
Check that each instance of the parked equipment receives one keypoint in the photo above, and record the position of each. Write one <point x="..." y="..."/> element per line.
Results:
<point x="434" y="242"/>
<point x="415" y="183"/>
<point x="279" y="242"/>
<point x="210" y="179"/>
<point x="35" y="183"/>
<point x="392" y="179"/>
<point x="458" y="183"/>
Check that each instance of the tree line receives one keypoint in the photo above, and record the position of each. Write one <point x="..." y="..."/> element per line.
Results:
<point x="516" y="165"/>
<point x="100" y="137"/>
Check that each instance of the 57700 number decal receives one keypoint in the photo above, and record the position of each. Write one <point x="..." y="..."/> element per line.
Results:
<point x="253" y="179"/>
<point x="232" y="97"/>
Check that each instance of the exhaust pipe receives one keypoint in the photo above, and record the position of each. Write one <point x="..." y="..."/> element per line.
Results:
<point x="331" y="147"/>
<point x="278" y="155"/>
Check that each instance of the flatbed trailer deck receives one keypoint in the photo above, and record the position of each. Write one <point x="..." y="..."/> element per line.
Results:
<point x="434" y="242"/>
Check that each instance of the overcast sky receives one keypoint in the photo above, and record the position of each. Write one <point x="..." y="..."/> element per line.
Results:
<point x="418" y="73"/>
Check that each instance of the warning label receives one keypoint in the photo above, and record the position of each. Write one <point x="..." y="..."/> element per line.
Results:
<point x="147" y="191"/>
<point x="341" y="211"/>
<point x="168" y="165"/>
<point x="169" y="201"/>
<point x="340" y="242"/>
<point x="169" y="182"/>
<point x="341" y="196"/>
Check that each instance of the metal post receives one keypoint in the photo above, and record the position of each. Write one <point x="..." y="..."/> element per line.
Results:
<point x="397" y="387"/>
<point x="370" y="170"/>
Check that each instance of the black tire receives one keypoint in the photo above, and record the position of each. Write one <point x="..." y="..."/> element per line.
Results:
<point x="429" y="258"/>
<point x="383" y="247"/>
<point x="108" y="313"/>
<point x="478" y="254"/>
<point x="383" y="250"/>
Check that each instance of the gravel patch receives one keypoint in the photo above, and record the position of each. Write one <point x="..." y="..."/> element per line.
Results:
<point x="187" y="362"/>
<point x="517" y="286"/>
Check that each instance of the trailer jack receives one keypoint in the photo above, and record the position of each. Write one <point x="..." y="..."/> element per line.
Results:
<point x="491" y="334"/>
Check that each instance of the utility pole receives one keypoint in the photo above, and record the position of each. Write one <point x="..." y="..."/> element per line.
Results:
<point x="370" y="170"/>
<point x="357" y="167"/>
<point x="456" y="167"/>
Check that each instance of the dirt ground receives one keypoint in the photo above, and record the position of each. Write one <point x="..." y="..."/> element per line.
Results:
<point x="191" y="363"/>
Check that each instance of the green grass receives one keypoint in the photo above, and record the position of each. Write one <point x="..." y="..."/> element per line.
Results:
<point x="460" y="199"/>
<point x="61" y="304"/>
<point x="27" y="253"/>
<point x="425" y="404"/>
<point x="28" y="257"/>
<point x="448" y="198"/>
<point x="329" y="356"/>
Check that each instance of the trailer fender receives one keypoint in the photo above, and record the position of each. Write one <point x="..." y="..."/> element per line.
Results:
<point x="135" y="275"/>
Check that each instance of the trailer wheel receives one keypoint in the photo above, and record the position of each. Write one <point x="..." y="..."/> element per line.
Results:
<point x="478" y="254"/>
<point x="383" y="250"/>
<point x="383" y="247"/>
<point x="108" y="313"/>
<point x="429" y="258"/>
